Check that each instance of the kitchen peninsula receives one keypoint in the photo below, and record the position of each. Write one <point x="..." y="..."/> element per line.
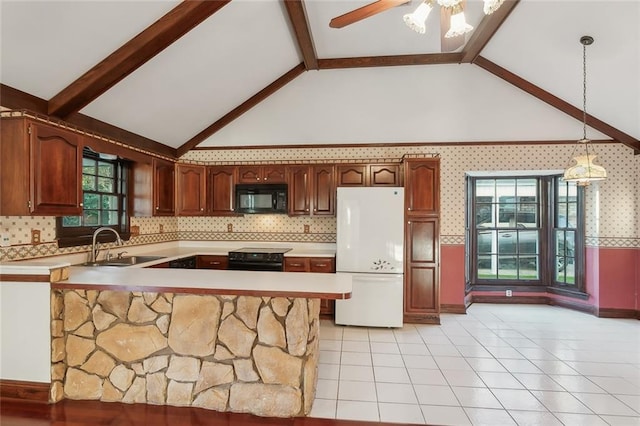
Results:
<point x="242" y="341"/>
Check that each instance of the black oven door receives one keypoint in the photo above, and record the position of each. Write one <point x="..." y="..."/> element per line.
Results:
<point x="255" y="266"/>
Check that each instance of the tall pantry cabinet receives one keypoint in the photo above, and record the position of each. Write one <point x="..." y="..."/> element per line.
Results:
<point x="422" y="244"/>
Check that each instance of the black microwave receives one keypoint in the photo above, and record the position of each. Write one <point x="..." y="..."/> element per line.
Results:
<point x="261" y="199"/>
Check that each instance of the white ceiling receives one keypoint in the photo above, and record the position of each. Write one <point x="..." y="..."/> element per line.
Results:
<point x="247" y="45"/>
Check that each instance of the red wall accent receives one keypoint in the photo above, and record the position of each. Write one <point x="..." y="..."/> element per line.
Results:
<point x="452" y="274"/>
<point x="612" y="278"/>
<point x="618" y="278"/>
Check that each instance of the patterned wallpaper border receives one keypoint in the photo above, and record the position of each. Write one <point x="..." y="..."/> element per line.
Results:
<point x="256" y="237"/>
<point x="594" y="242"/>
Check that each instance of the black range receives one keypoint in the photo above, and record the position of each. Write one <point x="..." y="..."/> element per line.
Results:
<point x="258" y="259"/>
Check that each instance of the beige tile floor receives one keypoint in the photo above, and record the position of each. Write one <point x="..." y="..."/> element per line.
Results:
<point x="497" y="365"/>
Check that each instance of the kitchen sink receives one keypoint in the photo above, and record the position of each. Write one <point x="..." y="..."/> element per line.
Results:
<point x="124" y="261"/>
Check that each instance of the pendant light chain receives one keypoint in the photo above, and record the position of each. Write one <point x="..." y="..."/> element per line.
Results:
<point x="584" y="91"/>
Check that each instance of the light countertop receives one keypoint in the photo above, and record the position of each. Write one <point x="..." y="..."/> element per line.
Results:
<point x="208" y="281"/>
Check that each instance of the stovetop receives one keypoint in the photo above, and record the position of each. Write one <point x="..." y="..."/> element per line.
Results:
<point x="268" y="250"/>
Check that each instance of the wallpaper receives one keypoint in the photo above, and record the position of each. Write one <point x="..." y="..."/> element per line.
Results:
<point x="613" y="206"/>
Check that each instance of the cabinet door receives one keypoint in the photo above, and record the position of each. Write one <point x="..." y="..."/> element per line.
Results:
<point x="422" y="274"/>
<point x="221" y="187"/>
<point x="324" y="191"/>
<point x="249" y="174"/>
<point x="56" y="171"/>
<point x="352" y="175"/>
<point x="296" y="264"/>
<point x="274" y="174"/>
<point x="190" y="190"/>
<point x="299" y="190"/>
<point x="385" y="175"/>
<point x="212" y="262"/>
<point x="163" y="187"/>
<point x="422" y="186"/>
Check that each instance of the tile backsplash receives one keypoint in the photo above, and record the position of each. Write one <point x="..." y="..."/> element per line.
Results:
<point x="153" y="230"/>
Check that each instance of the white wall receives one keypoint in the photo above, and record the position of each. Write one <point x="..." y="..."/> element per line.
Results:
<point x="25" y="343"/>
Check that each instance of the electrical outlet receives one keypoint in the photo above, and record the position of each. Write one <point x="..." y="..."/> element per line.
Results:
<point x="161" y="228"/>
<point x="5" y="241"/>
<point x="35" y="236"/>
<point x="135" y="230"/>
<point x="306" y="229"/>
<point x="229" y="227"/>
<point x="509" y="293"/>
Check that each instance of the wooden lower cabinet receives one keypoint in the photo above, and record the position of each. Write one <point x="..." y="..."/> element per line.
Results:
<point x="212" y="262"/>
<point x="422" y="289"/>
<point x="314" y="264"/>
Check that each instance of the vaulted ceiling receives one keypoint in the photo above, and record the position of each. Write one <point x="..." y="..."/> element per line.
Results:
<point x="171" y="76"/>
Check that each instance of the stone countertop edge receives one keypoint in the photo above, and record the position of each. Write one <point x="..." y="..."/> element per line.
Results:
<point x="201" y="281"/>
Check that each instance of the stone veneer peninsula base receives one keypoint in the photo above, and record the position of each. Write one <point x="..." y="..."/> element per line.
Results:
<point x="245" y="354"/>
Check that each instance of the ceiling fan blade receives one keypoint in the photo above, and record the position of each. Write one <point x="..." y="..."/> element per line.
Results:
<point x="364" y="12"/>
<point x="453" y="43"/>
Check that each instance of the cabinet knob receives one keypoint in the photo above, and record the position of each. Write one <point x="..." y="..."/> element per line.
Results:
<point x="201" y="209"/>
<point x="321" y="265"/>
<point x="81" y="204"/>
<point x="306" y="210"/>
<point x="157" y="208"/>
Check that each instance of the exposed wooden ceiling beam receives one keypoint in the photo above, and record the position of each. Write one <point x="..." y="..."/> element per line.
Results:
<point x="153" y="40"/>
<point x="17" y="99"/>
<point x="388" y="61"/>
<point x="558" y="103"/>
<point x="241" y="109"/>
<point x="298" y="19"/>
<point x="486" y="29"/>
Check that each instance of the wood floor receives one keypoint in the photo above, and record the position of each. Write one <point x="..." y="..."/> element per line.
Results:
<point x="15" y="412"/>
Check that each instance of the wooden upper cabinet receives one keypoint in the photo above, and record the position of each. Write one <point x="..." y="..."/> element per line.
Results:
<point x="368" y="175"/>
<point x="352" y="175"/>
<point x="190" y="190"/>
<point x="41" y="169"/>
<point x="323" y="189"/>
<point x="221" y="190"/>
<point x="262" y="174"/>
<point x="299" y="190"/>
<point x="422" y="186"/>
<point x="56" y="157"/>
<point x="385" y="175"/>
<point x="312" y="190"/>
<point x="163" y="187"/>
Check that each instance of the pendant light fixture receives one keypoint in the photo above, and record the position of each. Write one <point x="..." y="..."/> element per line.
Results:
<point x="584" y="171"/>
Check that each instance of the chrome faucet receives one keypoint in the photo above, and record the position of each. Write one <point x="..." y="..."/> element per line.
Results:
<point x="95" y="249"/>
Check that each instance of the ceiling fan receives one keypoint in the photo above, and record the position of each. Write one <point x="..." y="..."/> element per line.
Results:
<point x="453" y="25"/>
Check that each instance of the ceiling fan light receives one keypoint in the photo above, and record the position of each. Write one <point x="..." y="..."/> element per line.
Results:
<point x="491" y="6"/>
<point x="417" y="20"/>
<point x="448" y="3"/>
<point x="459" y="24"/>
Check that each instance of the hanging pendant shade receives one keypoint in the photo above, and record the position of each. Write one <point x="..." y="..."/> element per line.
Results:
<point x="584" y="171"/>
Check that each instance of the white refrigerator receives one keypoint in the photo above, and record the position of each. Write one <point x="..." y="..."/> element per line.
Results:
<point x="370" y="247"/>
